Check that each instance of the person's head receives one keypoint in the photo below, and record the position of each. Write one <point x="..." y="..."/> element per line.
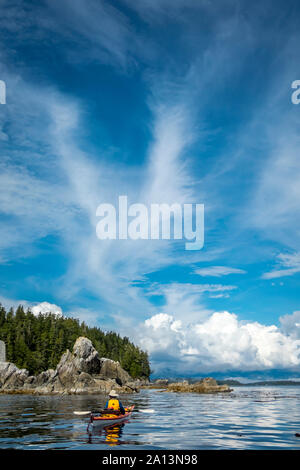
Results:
<point x="113" y="394"/>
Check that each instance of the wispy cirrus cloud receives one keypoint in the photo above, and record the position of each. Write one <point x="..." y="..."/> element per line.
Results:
<point x="94" y="32"/>
<point x="287" y="265"/>
<point x="65" y="205"/>
<point x="188" y="301"/>
<point x="218" y="271"/>
<point x="105" y="33"/>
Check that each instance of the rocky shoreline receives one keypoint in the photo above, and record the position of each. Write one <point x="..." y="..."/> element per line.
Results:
<point x="81" y="371"/>
<point x="206" y="385"/>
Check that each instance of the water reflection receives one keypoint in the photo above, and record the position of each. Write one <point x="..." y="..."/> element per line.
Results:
<point x="111" y="434"/>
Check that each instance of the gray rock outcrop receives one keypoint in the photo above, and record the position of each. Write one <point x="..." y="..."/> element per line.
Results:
<point x="81" y="371"/>
<point x="12" y="377"/>
<point x="113" y="370"/>
<point x="158" y="383"/>
<point x="207" y="385"/>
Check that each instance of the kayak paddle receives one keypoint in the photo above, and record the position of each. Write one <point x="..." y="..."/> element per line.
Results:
<point x="82" y="413"/>
<point x="88" y="412"/>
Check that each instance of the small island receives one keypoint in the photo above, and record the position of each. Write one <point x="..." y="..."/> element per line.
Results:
<point x="205" y="385"/>
<point x="49" y="353"/>
<point x="79" y="372"/>
<point x="39" y="362"/>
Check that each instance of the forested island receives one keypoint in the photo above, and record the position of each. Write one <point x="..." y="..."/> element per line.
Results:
<point x="37" y="342"/>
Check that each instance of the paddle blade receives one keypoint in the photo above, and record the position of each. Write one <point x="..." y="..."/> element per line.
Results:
<point x="147" y="411"/>
<point x="81" y="413"/>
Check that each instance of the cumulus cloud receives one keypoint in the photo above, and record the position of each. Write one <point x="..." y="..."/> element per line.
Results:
<point x="218" y="271"/>
<point x="219" y="343"/>
<point x="46" y="307"/>
<point x="42" y="307"/>
<point x="290" y="324"/>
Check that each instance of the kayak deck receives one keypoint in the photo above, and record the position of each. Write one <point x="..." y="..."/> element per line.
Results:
<point x="107" y="419"/>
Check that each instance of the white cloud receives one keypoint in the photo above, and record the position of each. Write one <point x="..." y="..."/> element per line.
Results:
<point x="290" y="324"/>
<point x="218" y="271"/>
<point x="42" y="307"/>
<point x="188" y="288"/>
<point x="46" y="307"/>
<point x="288" y="265"/>
<point x="162" y="320"/>
<point x="220" y="342"/>
<point x="186" y="300"/>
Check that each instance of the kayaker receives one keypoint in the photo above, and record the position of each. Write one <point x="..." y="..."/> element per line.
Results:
<point x="114" y="403"/>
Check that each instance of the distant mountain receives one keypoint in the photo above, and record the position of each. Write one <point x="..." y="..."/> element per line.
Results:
<point x="236" y="383"/>
<point x="233" y="383"/>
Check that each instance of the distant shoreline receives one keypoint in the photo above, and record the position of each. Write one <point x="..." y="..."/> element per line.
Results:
<point x="232" y="382"/>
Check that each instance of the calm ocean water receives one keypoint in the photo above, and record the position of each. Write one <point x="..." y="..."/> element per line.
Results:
<point x="247" y="418"/>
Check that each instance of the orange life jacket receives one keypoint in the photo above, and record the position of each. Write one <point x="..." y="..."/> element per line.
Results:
<point x="114" y="404"/>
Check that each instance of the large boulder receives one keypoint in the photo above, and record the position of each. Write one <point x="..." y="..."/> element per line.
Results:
<point x="43" y="378"/>
<point x="67" y="370"/>
<point x="209" y="382"/>
<point x="86" y="357"/>
<point x="11" y="377"/>
<point x="113" y="370"/>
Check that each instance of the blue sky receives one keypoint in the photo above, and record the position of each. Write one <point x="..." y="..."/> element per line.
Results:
<point x="164" y="101"/>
